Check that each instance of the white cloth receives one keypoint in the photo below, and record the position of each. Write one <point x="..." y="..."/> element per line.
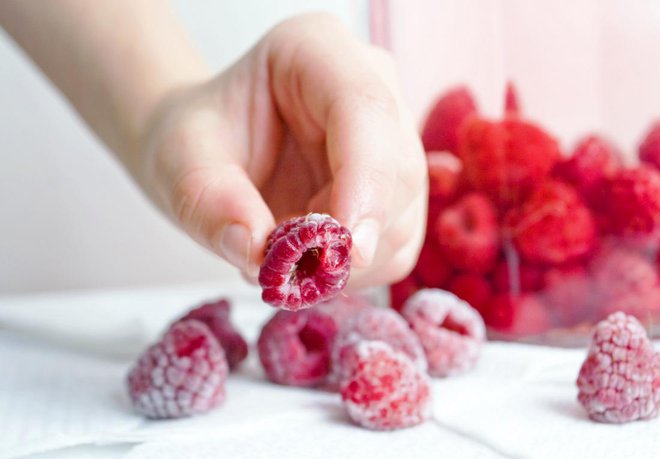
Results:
<point x="63" y="386"/>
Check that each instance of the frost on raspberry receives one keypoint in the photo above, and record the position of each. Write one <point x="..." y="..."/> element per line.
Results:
<point x="376" y="324"/>
<point x="216" y="316"/>
<point x="553" y="226"/>
<point x="308" y="260"/>
<point x="506" y="159"/>
<point x="383" y="389"/>
<point x="184" y="374"/>
<point x="443" y="123"/>
<point x="450" y="330"/>
<point x="617" y="380"/>
<point x="466" y="234"/>
<point x="294" y="347"/>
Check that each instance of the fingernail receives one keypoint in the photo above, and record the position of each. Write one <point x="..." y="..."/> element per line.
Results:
<point x="365" y="239"/>
<point x="235" y="243"/>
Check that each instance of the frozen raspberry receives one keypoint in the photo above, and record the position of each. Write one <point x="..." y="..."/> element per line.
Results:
<point x="633" y="197"/>
<point x="649" y="149"/>
<point x="444" y="122"/>
<point x="617" y="270"/>
<point x="450" y="330"/>
<point x="383" y="389"/>
<point x="376" y="324"/>
<point x="517" y="315"/>
<point x="215" y="315"/>
<point x="431" y="268"/>
<point x="466" y="234"/>
<point x="569" y="294"/>
<point x="342" y="307"/>
<point x="511" y="100"/>
<point x="517" y="276"/>
<point x="473" y="288"/>
<point x="401" y="291"/>
<point x="506" y="160"/>
<point x="182" y="375"/>
<point x="294" y="347"/>
<point x="592" y="162"/>
<point x="553" y="226"/>
<point x="307" y="260"/>
<point x="616" y="381"/>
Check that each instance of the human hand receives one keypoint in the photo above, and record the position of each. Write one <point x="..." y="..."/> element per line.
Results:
<point x="311" y="119"/>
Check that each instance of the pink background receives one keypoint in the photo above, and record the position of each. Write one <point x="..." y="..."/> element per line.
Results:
<point x="580" y="66"/>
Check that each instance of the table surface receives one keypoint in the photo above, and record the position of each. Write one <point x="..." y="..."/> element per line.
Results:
<point x="65" y="355"/>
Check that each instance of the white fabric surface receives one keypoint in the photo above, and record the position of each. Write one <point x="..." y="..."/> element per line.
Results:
<point x="63" y="359"/>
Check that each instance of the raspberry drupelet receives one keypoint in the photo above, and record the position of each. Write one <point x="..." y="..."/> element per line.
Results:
<point x="307" y="260"/>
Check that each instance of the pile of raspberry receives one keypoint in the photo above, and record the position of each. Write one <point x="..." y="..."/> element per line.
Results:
<point x="378" y="360"/>
<point x="534" y="236"/>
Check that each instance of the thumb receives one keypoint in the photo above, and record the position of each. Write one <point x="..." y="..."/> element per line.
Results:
<point x="219" y="206"/>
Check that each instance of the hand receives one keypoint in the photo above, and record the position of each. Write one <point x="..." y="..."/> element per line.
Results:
<point x="311" y="119"/>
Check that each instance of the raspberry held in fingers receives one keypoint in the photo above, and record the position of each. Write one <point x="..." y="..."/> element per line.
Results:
<point x="308" y="260"/>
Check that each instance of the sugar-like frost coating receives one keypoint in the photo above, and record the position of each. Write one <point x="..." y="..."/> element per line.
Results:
<point x="452" y="333"/>
<point x="182" y="375"/>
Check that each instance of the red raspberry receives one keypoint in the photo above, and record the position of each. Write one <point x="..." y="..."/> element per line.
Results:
<point x="376" y="324"/>
<point x="431" y="268"/>
<point x="649" y="149"/>
<point x="450" y="330"/>
<point x="553" y="226"/>
<point x="511" y="101"/>
<point x="592" y="162"/>
<point x="517" y="315"/>
<point x="633" y="197"/>
<point x="473" y="288"/>
<point x="569" y="294"/>
<point x="618" y="270"/>
<point x="517" y="276"/>
<point x="506" y="160"/>
<point x="294" y="347"/>
<point x="215" y="315"/>
<point x="616" y="382"/>
<point x="383" y="389"/>
<point x="400" y="291"/>
<point x="444" y="122"/>
<point x="307" y="260"/>
<point x="182" y="375"/>
<point x="444" y="170"/>
<point x="466" y="233"/>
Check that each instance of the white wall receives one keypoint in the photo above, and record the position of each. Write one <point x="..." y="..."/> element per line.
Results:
<point x="69" y="216"/>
